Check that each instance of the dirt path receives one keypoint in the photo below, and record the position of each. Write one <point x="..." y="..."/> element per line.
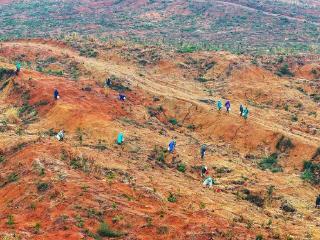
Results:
<point x="266" y="13"/>
<point x="177" y="90"/>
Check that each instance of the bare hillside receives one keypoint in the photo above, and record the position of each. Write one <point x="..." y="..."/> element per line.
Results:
<point x="88" y="187"/>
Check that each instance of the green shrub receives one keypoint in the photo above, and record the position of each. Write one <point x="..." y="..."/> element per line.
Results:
<point x="2" y="159"/>
<point x="36" y="228"/>
<point x="161" y="157"/>
<point x="149" y="221"/>
<point x="10" y="220"/>
<point x="158" y="154"/>
<point x="105" y="231"/>
<point x="13" y="177"/>
<point x="259" y="237"/>
<point x="187" y="49"/>
<point x="80" y="163"/>
<point x="55" y="72"/>
<point x="299" y="106"/>
<point x="284" y="70"/>
<point x="270" y="191"/>
<point x="270" y="163"/>
<point x="88" y="52"/>
<point x="42" y="186"/>
<point x="173" y="121"/>
<point x="201" y="79"/>
<point x="79" y="221"/>
<point x="311" y="172"/>
<point x="117" y="218"/>
<point x="294" y="118"/>
<point x="280" y="59"/>
<point x="181" y="167"/>
<point x="315" y="97"/>
<point x="191" y="127"/>
<point x="172" y="198"/>
<point x="202" y="205"/>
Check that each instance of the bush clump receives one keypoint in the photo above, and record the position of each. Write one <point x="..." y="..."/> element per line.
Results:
<point x="259" y="237"/>
<point x="271" y="163"/>
<point x="105" y="231"/>
<point x="42" y="186"/>
<point x="2" y="159"/>
<point x="173" y="121"/>
<point x="284" y="144"/>
<point x="172" y="198"/>
<point x="255" y="199"/>
<point x="187" y="49"/>
<point x="285" y="71"/>
<point x="181" y="167"/>
<point x="4" y="73"/>
<point x="311" y="172"/>
<point x="316" y="154"/>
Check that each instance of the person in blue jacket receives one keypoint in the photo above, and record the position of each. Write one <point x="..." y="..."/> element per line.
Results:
<point x="18" y="67"/>
<point x="56" y="94"/>
<point x="241" y="109"/>
<point x="172" y="146"/>
<point x="120" y="138"/>
<point x="245" y="113"/>
<point x="203" y="150"/>
<point x="219" y="105"/>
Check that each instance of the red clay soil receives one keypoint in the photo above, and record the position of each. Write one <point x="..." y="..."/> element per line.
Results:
<point x="65" y="190"/>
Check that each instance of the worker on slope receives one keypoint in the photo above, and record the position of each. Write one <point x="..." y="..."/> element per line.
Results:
<point x="122" y="97"/>
<point x="245" y="113"/>
<point x="18" y="68"/>
<point x="56" y="94"/>
<point x="204" y="171"/>
<point x="318" y="202"/>
<point x="228" y="106"/>
<point x="108" y="82"/>
<point x="120" y="138"/>
<point x="208" y="182"/>
<point x="172" y="146"/>
<point x="219" y="105"/>
<point x="241" y="109"/>
<point x="60" y="135"/>
<point x="203" y="150"/>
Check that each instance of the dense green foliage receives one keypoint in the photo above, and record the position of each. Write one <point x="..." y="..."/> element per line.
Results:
<point x="204" y="25"/>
